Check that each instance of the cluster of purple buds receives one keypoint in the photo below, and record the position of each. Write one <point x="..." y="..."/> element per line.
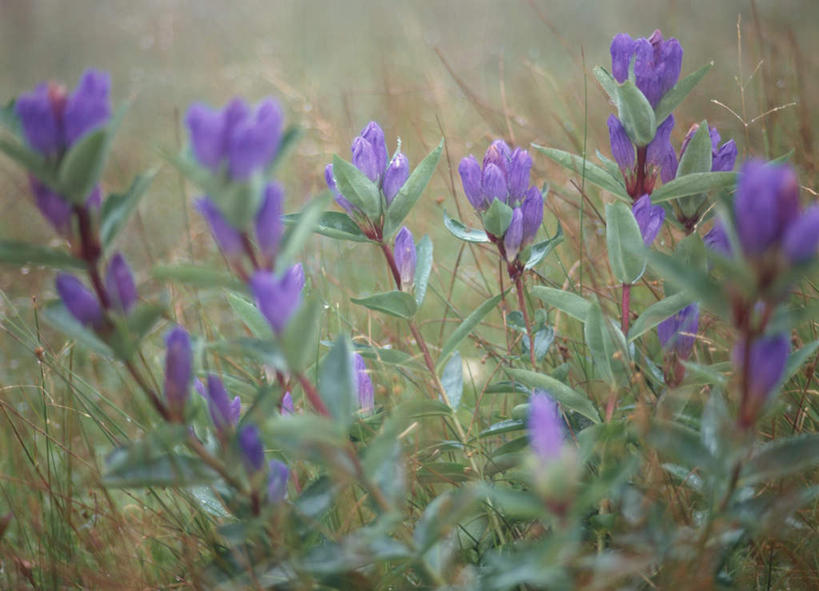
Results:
<point x="767" y="358"/>
<point x="363" y="385"/>
<point x="504" y="176"/>
<point x="370" y="156"/>
<point x="178" y="371"/>
<point x="87" y="307"/>
<point x="52" y="121"/>
<point x="405" y="257"/>
<point x="252" y="452"/>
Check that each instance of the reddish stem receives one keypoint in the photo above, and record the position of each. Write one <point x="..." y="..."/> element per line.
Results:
<point x="626" y="308"/>
<point x="312" y="395"/>
<point x="396" y="275"/>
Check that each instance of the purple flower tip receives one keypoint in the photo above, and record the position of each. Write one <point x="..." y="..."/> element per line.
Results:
<point x="287" y="404"/>
<point x="269" y="225"/>
<point x="226" y="236"/>
<point x="80" y="301"/>
<point x="767" y="360"/>
<point x="178" y="368"/>
<point x="394" y="178"/>
<point x="717" y="240"/>
<point x="119" y="283"/>
<point x="679" y="332"/>
<point x="545" y="427"/>
<point x="364" y="385"/>
<point x="251" y="447"/>
<point x="405" y="256"/>
<point x="278" y="297"/>
<point x="277" y="481"/>
<point x="223" y="412"/>
<point x="649" y="217"/>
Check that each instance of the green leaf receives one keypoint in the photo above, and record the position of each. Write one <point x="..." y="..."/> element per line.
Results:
<point x="423" y="267"/>
<point x="298" y="234"/>
<point x="599" y="340"/>
<point x="676" y="95"/>
<point x="56" y="314"/>
<point x="198" y="276"/>
<point x="250" y="315"/>
<point x="9" y="119"/>
<point x="461" y="232"/>
<point x="442" y="514"/>
<point x="290" y="138"/>
<point x="568" y="397"/>
<point x="690" y="280"/>
<point x="607" y="81"/>
<point x="141" y="466"/>
<point x="116" y="208"/>
<point x="23" y="253"/>
<point x="411" y="191"/>
<point x="453" y="380"/>
<point x="693" y="184"/>
<point x="357" y="188"/>
<point x="682" y="444"/>
<point x="333" y="224"/>
<point x="592" y="172"/>
<point x="657" y="312"/>
<point x="32" y="161"/>
<point x="627" y="252"/>
<point x="300" y="338"/>
<point x="394" y="303"/>
<point x="337" y="383"/>
<point x="697" y="155"/>
<point x="636" y="114"/>
<point x="497" y="218"/>
<point x="539" y="251"/>
<point x="782" y="457"/>
<point x="142" y="318"/>
<point x="505" y="426"/>
<point x="797" y="359"/>
<point x="466" y="326"/>
<point x="565" y="301"/>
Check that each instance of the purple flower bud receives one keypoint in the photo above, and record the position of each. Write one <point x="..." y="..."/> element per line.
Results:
<point x="287" y="404"/>
<point x="767" y="360"/>
<point x="678" y="332"/>
<point x="717" y="240"/>
<point x="269" y="220"/>
<point x="498" y="153"/>
<point x="470" y="172"/>
<point x="802" y="236"/>
<point x="766" y="203"/>
<point x="178" y="369"/>
<point x="250" y="444"/>
<point x="621" y="147"/>
<point x="79" y="300"/>
<point x="208" y="135"/>
<point x="657" y="66"/>
<point x="724" y="158"/>
<point x="94" y="200"/>
<point x="119" y="283"/>
<point x="88" y="107"/>
<point x="223" y="412"/>
<point x="649" y="217"/>
<point x="364" y="385"/>
<point x="513" y="237"/>
<point x="40" y="113"/>
<point x="494" y="184"/>
<point x="56" y="210"/>
<point x="254" y="140"/>
<point x="277" y="481"/>
<point x="532" y="210"/>
<point x="660" y="152"/>
<point x="375" y="136"/>
<point x="520" y="165"/>
<point x="396" y="175"/>
<point x="365" y="160"/>
<point x="226" y="236"/>
<point x="277" y="297"/>
<point x="545" y="427"/>
<point x="331" y="182"/>
<point x="622" y="50"/>
<point x="405" y="257"/>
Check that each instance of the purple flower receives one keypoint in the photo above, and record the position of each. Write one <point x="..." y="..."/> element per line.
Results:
<point x="365" y="160"/>
<point x="246" y="140"/>
<point x="767" y="360"/>
<point x="622" y="50"/>
<point x="471" y="177"/>
<point x="178" y="369"/>
<point x="621" y="147"/>
<point x="278" y="297"/>
<point x="518" y="169"/>
<point x="394" y="178"/>
<point x="277" y="481"/>
<point x="79" y="301"/>
<point x="649" y="217"/>
<point x="765" y="206"/>
<point x="250" y="444"/>
<point x="678" y="332"/>
<point x="405" y="257"/>
<point x="660" y="152"/>
<point x="374" y="135"/>
<point x="723" y="157"/>
<point x="364" y="385"/>
<point x="287" y="404"/>
<point x="228" y="238"/>
<point x="56" y="210"/>
<point x="53" y="120"/>
<point x="119" y="283"/>
<point x="223" y="412"/>
<point x="545" y="427"/>
<point x="269" y="225"/>
<point x="532" y="209"/>
<point x="498" y="153"/>
<point x="657" y="63"/>
<point x="802" y="236"/>
<point x="513" y="237"/>
<point x="717" y="240"/>
<point x="340" y="199"/>
<point x="493" y="183"/>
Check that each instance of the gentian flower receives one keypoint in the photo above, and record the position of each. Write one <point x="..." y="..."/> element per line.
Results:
<point x="717" y="240"/>
<point x="80" y="301"/>
<point x="277" y="481"/>
<point x="287" y="404"/>
<point x="236" y="137"/>
<point x="394" y="178"/>
<point x="657" y="63"/>
<point x="545" y="427"/>
<point x="364" y="385"/>
<point x="513" y="238"/>
<point x="677" y="333"/>
<point x="649" y="217"/>
<point x="723" y="158"/>
<point x="405" y="256"/>
<point x="268" y="226"/>
<point x="351" y="209"/>
<point x="223" y="412"/>
<point x="119" y="283"/>
<point x="250" y="444"/>
<point x="278" y="297"/>
<point x="228" y="238"/>
<point x="54" y="208"/>
<point x="766" y="365"/>
<point x="178" y="369"/>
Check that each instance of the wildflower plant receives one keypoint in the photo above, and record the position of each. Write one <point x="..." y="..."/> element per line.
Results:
<point x="323" y="456"/>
